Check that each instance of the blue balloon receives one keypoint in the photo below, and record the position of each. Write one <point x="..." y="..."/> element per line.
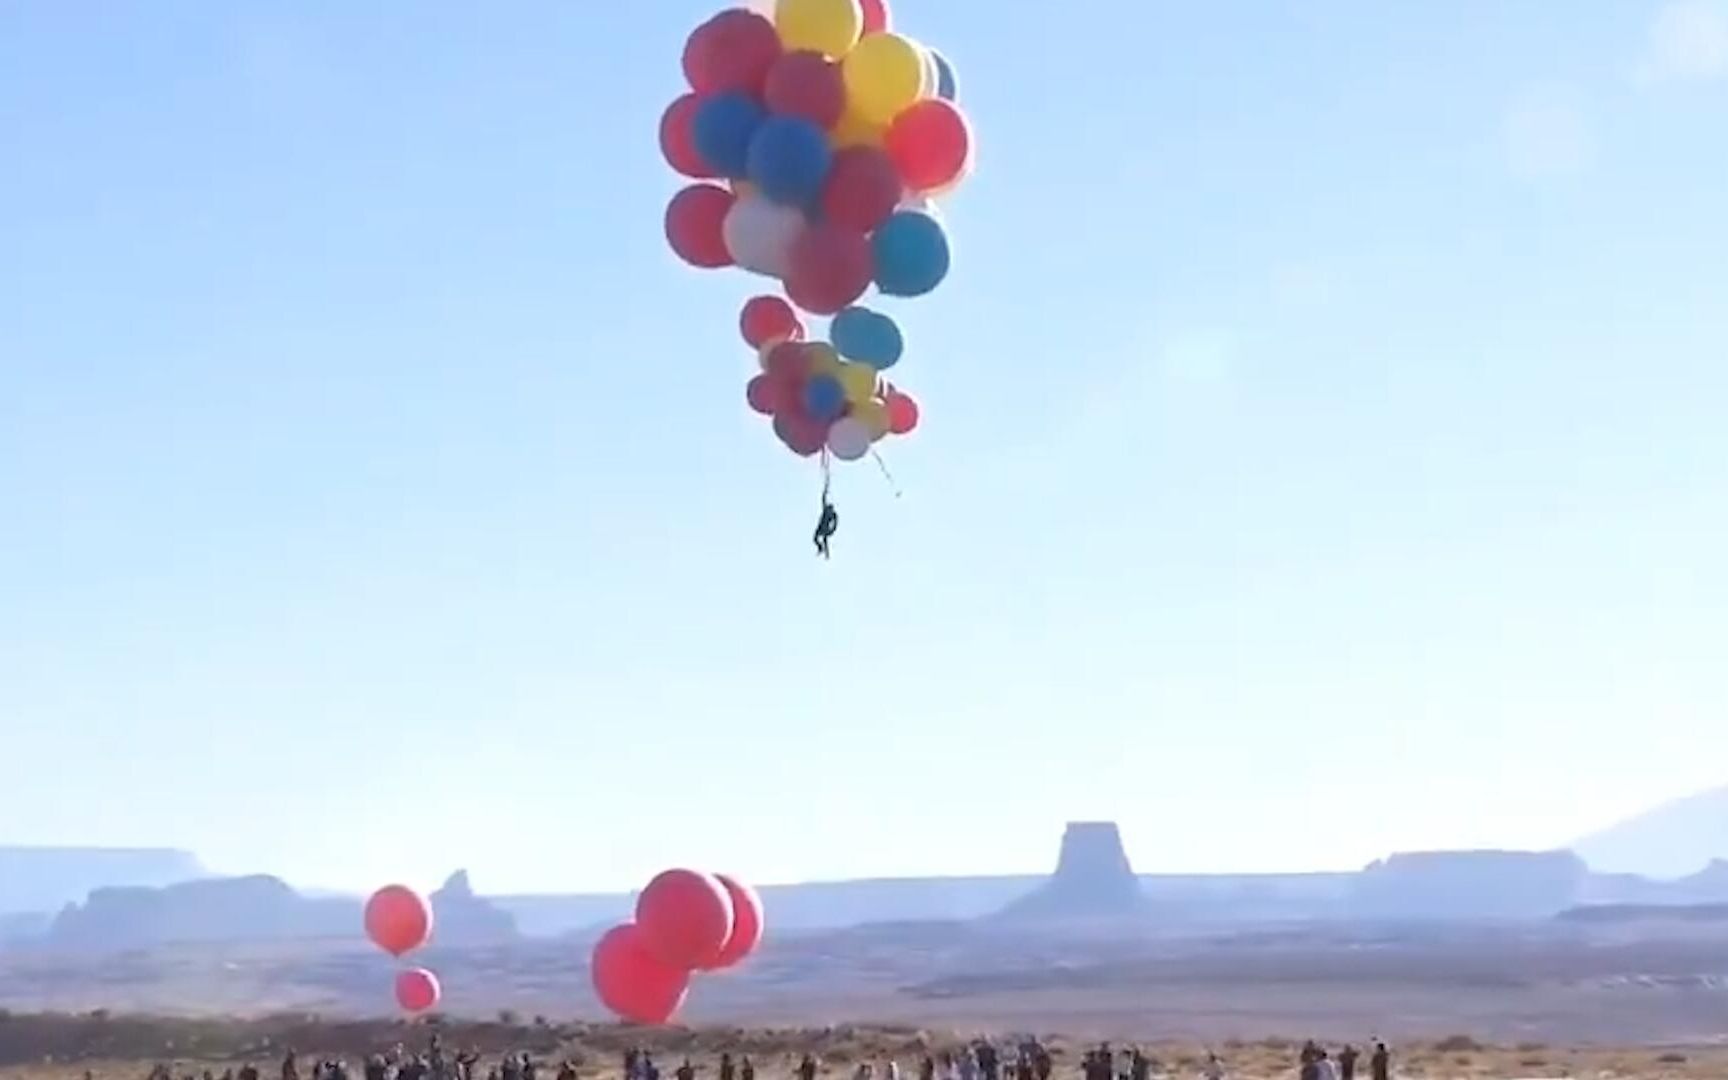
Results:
<point x="824" y="397"/>
<point x="947" y="86"/>
<point x="911" y="254"/>
<point x="789" y="160"/>
<point x="722" y="129"/>
<point x="868" y="337"/>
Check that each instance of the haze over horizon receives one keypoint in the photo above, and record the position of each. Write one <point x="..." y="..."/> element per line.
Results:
<point x="1322" y="452"/>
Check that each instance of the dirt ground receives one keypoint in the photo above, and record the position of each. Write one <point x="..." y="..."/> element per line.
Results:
<point x="41" y="1047"/>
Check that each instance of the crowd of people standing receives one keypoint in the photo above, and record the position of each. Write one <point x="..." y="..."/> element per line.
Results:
<point x="1029" y="1059"/>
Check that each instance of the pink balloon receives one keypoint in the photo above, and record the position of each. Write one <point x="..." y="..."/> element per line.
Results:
<point x="731" y="51"/>
<point x="678" y="142"/>
<point x="684" y="918"/>
<point x="398" y="919"/>
<point x="695" y="225"/>
<point x="806" y="84"/>
<point x="863" y="188"/>
<point x="746" y="923"/>
<point x="831" y="268"/>
<point x="876" y="16"/>
<point x="764" y="395"/>
<point x="417" y="990"/>
<point x="902" y="413"/>
<point x="631" y="982"/>
<point x="769" y="318"/>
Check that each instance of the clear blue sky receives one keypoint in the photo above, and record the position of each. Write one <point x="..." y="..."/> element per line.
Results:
<point x="1325" y="448"/>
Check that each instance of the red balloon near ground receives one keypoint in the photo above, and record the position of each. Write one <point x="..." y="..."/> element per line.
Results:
<point x="931" y="144"/>
<point x="678" y="142"/>
<point x="806" y="84"/>
<point x="768" y="319"/>
<point x="803" y="435"/>
<point x="417" y="990"/>
<point x="902" y="413"/>
<point x="695" y="225"/>
<point x="876" y="16"/>
<point x="746" y="923"/>
<point x="632" y="982"/>
<point x="863" y="188"/>
<point x="684" y="918"/>
<point x="731" y="51"/>
<point x="831" y="268"/>
<point x="398" y="919"/>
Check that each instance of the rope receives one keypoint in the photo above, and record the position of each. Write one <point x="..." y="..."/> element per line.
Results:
<point x="893" y="485"/>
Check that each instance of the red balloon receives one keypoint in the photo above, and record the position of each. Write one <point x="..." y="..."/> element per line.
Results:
<point x="677" y="141"/>
<point x="417" y="990"/>
<point x="764" y="395"/>
<point x="631" y="982"/>
<point x="806" y="84"/>
<point x="789" y="362"/>
<point x="863" y="188"/>
<point x="803" y="435"/>
<point x="398" y="920"/>
<point x="768" y="319"/>
<point x="931" y="144"/>
<point x="731" y="51"/>
<point x="902" y="413"/>
<point x="695" y="225"/>
<point x="684" y="918"/>
<point x="831" y="268"/>
<point x="746" y="922"/>
<point x="876" y="17"/>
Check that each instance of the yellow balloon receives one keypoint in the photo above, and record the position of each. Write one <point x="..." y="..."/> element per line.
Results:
<point x="874" y="415"/>
<point x="824" y="26"/>
<point x="854" y="130"/>
<point x="884" y="75"/>
<point x="859" y="382"/>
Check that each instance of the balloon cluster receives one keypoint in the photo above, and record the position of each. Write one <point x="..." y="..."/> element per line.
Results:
<point x="399" y="920"/>
<point x="686" y="921"/>
<point x="819" y="139"/>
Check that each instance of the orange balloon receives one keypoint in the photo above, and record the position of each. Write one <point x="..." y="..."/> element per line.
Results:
<point x="417" y="990"/>
<point x="398" y="920"/>
<point x="746" y="923"/>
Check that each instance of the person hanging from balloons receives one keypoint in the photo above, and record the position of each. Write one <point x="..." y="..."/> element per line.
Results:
<point x="826" y="526"/>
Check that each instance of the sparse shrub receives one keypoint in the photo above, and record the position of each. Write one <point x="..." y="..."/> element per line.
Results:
<point x="1459" y="1044"/>
<point x="1533" y="1063"/>
<point x="1672" y="1059"/>
<point x="509" y="1017"/>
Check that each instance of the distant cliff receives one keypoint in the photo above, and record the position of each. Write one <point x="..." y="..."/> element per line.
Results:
<point x="254" y="909"/>
<point x="1469" y="885"/>
<point x="45" y="879"/>
<point x="1671" y="841"/>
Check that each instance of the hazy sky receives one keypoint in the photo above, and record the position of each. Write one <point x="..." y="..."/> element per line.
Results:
<point x="1326" y="448"/>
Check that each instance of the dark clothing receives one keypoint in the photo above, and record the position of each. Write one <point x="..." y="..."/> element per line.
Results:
<point x="1381" y="1064"/>
<point x="1347" y="1064"/>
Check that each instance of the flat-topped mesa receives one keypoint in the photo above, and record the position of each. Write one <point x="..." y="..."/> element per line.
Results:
<point x="1093" y="879"/>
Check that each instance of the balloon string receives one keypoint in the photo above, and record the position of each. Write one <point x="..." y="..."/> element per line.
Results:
<point x="893" y="485"/>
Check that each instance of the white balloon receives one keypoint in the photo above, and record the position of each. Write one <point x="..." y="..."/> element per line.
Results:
<point x="759" y="234"/>
<point x="849" y="438"/>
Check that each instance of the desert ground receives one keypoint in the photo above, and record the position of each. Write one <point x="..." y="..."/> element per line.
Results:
<point x="104" y="1047"/>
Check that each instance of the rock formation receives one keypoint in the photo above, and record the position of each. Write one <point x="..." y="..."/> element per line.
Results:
<point x="1093" y="880"/>
<point x="215" y="910"/>
<point x="461" y="918"/>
